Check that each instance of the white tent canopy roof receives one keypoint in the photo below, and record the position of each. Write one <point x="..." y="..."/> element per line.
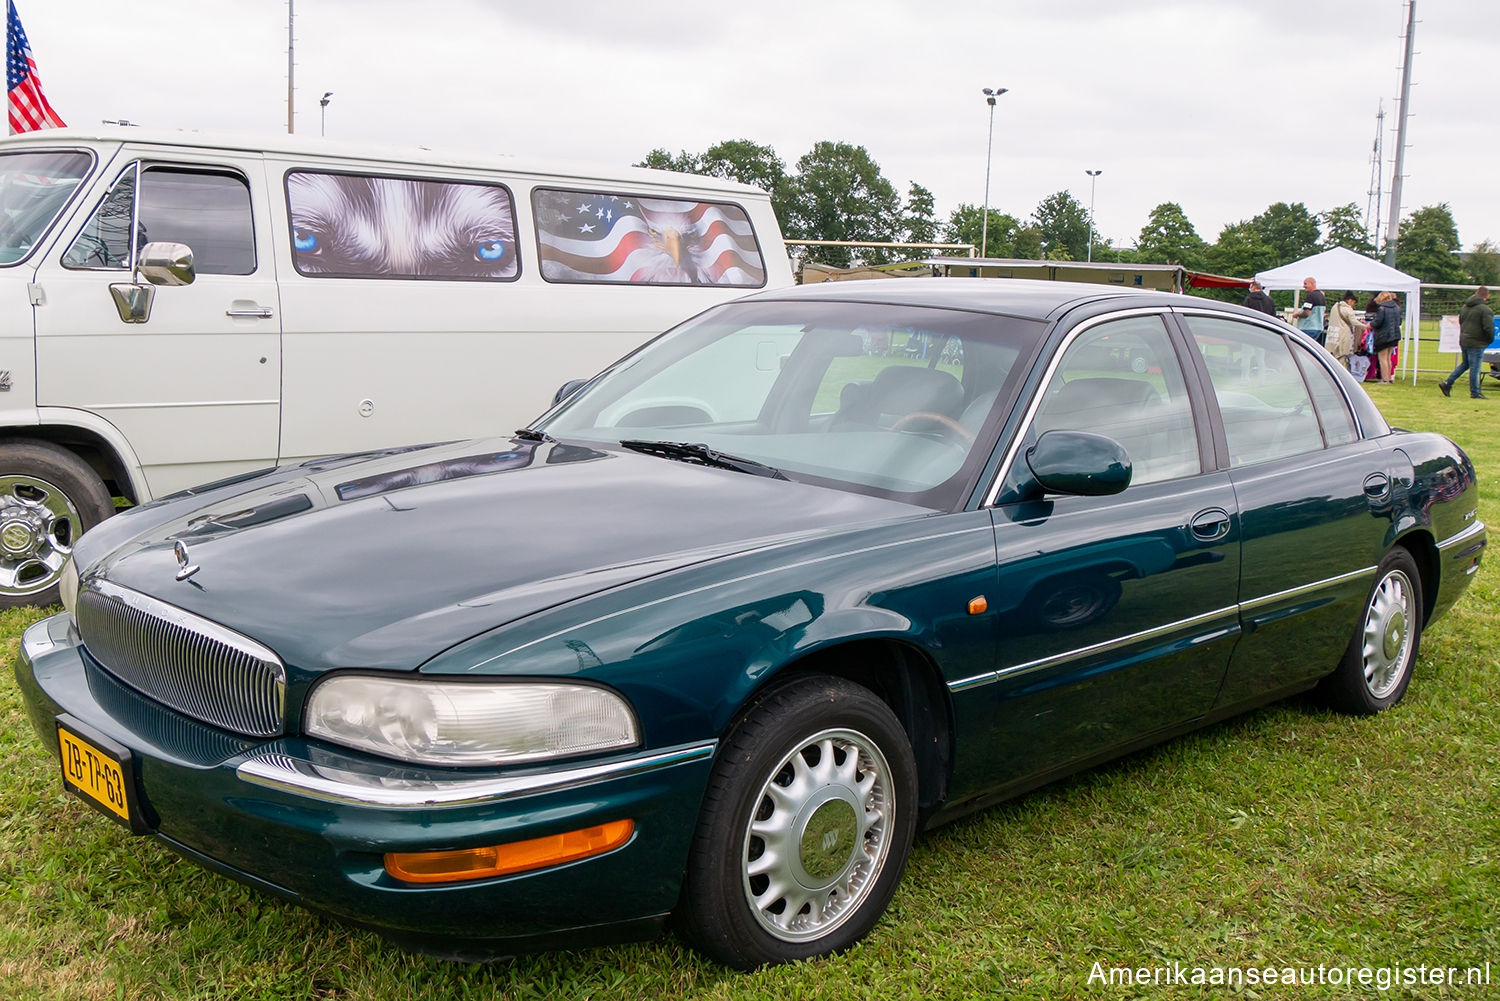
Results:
<point x="1336" y="270"/>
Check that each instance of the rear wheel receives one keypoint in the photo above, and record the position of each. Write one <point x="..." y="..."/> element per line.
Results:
<point x="1377" y="666"/>
<point x="807" y="822"/>
<point x="48" y="498"/>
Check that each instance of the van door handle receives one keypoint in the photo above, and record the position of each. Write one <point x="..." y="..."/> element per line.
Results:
<point x="255" y="312"/>
<point x="1210" y="525"/>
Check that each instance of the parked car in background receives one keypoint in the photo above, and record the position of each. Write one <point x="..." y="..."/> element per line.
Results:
<point x="715" y="637"/>
<point x="181" y="307"/>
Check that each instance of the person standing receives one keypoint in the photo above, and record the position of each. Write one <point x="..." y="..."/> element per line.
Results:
<point x="1342" y="324"/>
<point x="1259" y="300"/>
<point x="1310" y="313"/>
<point x="1385" y="332"/>
<point x="1476" y="329"/>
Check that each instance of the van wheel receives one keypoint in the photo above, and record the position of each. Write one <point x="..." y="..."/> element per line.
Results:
<point x="48" y="498"/>
<point x="807" y="822"/>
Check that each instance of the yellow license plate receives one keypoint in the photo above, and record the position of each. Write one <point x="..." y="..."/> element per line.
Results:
<point x="94" y="773"/>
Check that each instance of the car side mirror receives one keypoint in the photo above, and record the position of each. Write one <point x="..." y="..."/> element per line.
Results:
<point x="1080" y="463"/>
<point x="567" y="389"/>
<point x="166" y="264"/>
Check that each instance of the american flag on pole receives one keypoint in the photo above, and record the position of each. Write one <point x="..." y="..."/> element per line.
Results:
<point x="591" y="236"/>
<point x="28" y="106"/>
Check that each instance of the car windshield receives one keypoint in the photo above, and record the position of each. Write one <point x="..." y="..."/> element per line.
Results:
<point x="33" y="189"/>
<point x="897" y="401"/>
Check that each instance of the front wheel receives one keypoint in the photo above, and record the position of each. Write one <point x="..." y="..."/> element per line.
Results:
<point x="48" y="498"/>
<point x="1377" y="666"/>
<point x="807" y="822"/>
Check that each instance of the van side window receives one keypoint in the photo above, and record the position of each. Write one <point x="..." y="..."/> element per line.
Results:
<point x="362" y="226"/>
<point x="207" y="210"/>
<point x="597" y="236"/>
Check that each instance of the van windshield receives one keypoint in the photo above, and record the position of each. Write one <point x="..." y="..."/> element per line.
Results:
<point x="34" y="187"/>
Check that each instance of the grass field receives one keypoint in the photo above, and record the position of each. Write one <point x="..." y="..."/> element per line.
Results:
<point x="1287" y="838"/>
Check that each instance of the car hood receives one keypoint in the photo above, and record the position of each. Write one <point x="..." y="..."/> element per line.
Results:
<point x="386" y="562"/>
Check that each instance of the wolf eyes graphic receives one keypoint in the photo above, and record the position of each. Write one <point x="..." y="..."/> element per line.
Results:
<point x="386" y="226"/>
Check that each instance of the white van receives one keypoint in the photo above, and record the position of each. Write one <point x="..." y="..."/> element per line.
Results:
<point x="286" y="297"/>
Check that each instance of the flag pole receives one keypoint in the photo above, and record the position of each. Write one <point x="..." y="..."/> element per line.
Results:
<point x="290" y="68"/>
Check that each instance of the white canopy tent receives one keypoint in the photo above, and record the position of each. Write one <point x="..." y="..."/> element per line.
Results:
<point x="1338" y="270"/>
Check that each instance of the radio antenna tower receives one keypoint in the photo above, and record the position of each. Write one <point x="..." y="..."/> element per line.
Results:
<point x="1394" y="228"/>
<point x="1377" y="164"/>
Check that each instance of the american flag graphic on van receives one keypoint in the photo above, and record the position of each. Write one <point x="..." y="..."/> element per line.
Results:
<point x="590" y="236"/>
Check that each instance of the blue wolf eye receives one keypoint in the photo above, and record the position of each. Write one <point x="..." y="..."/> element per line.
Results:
<point x="304" y="239"/>
<point x="489" y="250"/>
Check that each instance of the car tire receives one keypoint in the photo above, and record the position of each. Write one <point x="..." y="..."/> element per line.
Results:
<point x="1377" y="666"/>
<point x="48" y="498"/>
<point x="806" y="825"/>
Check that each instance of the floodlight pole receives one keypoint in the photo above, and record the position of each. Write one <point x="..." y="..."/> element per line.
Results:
<point x="323" y="113"/>
<point x="990" y="93"/>
<point x="1093" y="179"/>
<point x="1393" y="229"/>
<point x="290" y="69"/>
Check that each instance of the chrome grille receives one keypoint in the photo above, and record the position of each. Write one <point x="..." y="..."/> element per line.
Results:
<point x="186" y="662"/>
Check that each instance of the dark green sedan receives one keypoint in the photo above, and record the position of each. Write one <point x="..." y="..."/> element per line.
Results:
<point x="713" y="639"/>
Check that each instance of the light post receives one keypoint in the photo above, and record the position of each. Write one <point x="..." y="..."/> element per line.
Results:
<point x="1093" y="179"/>
<point x="323" y="113"/>
<point x="990" y="93"/>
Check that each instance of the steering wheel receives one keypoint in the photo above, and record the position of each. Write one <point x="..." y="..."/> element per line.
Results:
<point x="946" y="422"/>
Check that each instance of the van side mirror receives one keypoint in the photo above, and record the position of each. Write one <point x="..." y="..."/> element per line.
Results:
<point x="159" y="264"/>
<point x="1080" y="463"/>
<point x="166" y="264"/>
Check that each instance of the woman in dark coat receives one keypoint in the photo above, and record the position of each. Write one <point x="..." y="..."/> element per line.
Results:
<point x="1385" y="331"/>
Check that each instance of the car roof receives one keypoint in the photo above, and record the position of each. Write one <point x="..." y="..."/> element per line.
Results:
<point x="1008" y="296"/>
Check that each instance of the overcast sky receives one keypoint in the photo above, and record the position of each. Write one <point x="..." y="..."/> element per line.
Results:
<point x="1223" y="106"/>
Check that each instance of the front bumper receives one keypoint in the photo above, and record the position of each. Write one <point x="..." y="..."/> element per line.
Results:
<point x="311" y="823"/>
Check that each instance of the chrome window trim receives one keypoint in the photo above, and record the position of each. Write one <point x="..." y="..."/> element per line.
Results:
<point x="1036" y="401"/>
<point x="284" y="773"/>
<point x="1104" y="646"/>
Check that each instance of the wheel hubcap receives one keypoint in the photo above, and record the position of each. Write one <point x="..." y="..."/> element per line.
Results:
<point x="1388" y="637"/>
<point x="818" y="836"/>
<point x="38" y="525"/>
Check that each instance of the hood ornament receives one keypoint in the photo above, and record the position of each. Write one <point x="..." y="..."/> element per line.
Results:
<point x="184" y="568"/>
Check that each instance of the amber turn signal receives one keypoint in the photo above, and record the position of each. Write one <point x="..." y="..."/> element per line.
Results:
<point x="978" y="606"/>
<point x="503" y="860"/>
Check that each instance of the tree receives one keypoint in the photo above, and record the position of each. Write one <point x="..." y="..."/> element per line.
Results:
<point x="919" y="218"/>
<point x="1240" y="253"/>
<point x="1064" y="226"/>
<point x="1008" y="236"/>
<point x="839" y="193"/>
<point x="1346" y="228"/>
<point x="1427" y="245"/>
<point x="1291" y="231"/>
<point x="659" y="159"/>
<point x="1484" y="264"/>
<point x="1169" y="238"/>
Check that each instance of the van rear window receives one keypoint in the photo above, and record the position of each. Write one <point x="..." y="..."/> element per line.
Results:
<point x="598" y="236"/>
<point x="366" y="226"/>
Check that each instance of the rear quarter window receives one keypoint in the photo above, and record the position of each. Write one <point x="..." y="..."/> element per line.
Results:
<point x="612" y="238"/>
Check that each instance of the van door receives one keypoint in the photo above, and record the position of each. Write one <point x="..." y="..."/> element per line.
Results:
<point x="196" y="386"/>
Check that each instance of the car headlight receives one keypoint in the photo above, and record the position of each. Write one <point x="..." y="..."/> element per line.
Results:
<point x="467" y="723"/>
<point x="67" y="586"/>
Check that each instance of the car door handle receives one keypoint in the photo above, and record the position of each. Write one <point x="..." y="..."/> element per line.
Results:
<point x="1377" y="485"/>
<point x="1210" y="525"/>
<point x="255" y="312"/>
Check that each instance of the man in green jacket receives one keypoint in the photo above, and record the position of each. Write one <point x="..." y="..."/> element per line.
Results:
<point x="1476" y="329"/>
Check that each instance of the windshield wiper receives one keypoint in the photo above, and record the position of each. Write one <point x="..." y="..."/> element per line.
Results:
<point x="702" y="455"/>
<point x="532" y="434"/>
